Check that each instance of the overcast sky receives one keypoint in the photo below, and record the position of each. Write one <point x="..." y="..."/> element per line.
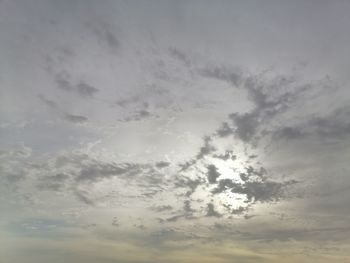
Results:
<point x="174" y="131"/>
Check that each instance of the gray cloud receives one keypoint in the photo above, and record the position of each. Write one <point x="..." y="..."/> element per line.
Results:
<point x="139" y="115"/>
<point x="246" y="125"/>
<point x="255" y="191"/>
<point x="50" y="103"/>
<point x="212" y="173"/>
<point x="83" y="197"/>
<point x="162" y="208"/>
<point x="187" y="213"/>
<point x="95" y="171"/>
<point x="179" y="55"/>
<point x="115" y="222"/>
<point x="75" y="118"/>
<point x="192" y="184"/>
<point x="256" y="186"/>
<point x="270" y="98"/>
<point x="54" y="182"/>
<point x="334" y="126"/>
<point x="211" y="212"/>
<point x="228" y="155"/>
<point x="232" y="76"/>
<point x="104" y="33"/>
<point x="62" y="81"/>
<point x="225" y="130"/>
<point x="85" y="90"/>
<point x="162" y="164"/>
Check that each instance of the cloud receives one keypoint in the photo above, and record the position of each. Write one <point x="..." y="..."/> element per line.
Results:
<point x="192" y="184"/>
<point x="103" y="31"/>
<point x="83" y="197"/>
<point x="206" y="149"/>
<point x="225" y="130"/>
<point x="139" y="115"/>
<point x="269" y="97"/>
<point x="62" y="81"/>
<point x="53" y="182"/>
<point x="211" y="212"/>
<point x="75" y="118"/>
<point x="162" y="208"/>
<point x="179" y="55"/>
<point x="255" y="185"/>
<point x="85" y="90"/>
<point x="162" y="164"/>
<point x="115" y="222"/>
<point x="22" y="152"/>
<point x="232" y="76"/>
<point x="50" y="103"/>
<point x="262" y="190"/>
<point x="187" y="207"/>
<point x="96" y="171"/>
<point x="228" y="155"/>
<point x="246" y="125"/>
<point x="333" y="126"/>
<point x="111" y="39"/>
<point x="212" y="173"/>
<point x="186" y="214"/>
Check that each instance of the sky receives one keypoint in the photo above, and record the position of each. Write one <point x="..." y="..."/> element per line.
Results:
<point x="174" y="131"/>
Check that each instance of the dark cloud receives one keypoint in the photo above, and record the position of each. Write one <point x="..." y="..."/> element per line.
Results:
<point x="289" y="133"/>
<point x="206" y="149"/>
<point x="139" y="115"/>
<point x="187" y="207"/>
<point x="75" y="118"/>
<point x="106" y="36"/>
<point x="187" y="165"/>
<point x="192" y="184"/>
<point x="96" y="171"/>
<point x="334" y="126"/>
<point x="174" y="218"/>
<point x="212" y="174"/>
<point x="252" y="173"/>
<point x="63" y="82"/>
<point x="269" y="97"/>
<point x="162" y="164"/>
<point x="240" y="210"/>
<point x="232" y="76"/>
<point x="211" y="212"/>
<point x="85" y="90"/>
<point x="262" y="190"/>
<point x="225" y="130"/>
<point x="179" y="55"/>
<point x="111" y="39"/>
<point x="49" y="103"/>
<point x="246" y="125"/>
<point x="83" y="197"/>
<point x="53" y="183"/>
<point x="256" y="186"/>
<point x="259" y="191"/>
<point x="223" y="185"/>
<point x="162" y="208"/>
<point x="228" y="155"/>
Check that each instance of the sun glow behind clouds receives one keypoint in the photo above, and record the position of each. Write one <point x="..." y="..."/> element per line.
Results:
<point x="230" y="169"/>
